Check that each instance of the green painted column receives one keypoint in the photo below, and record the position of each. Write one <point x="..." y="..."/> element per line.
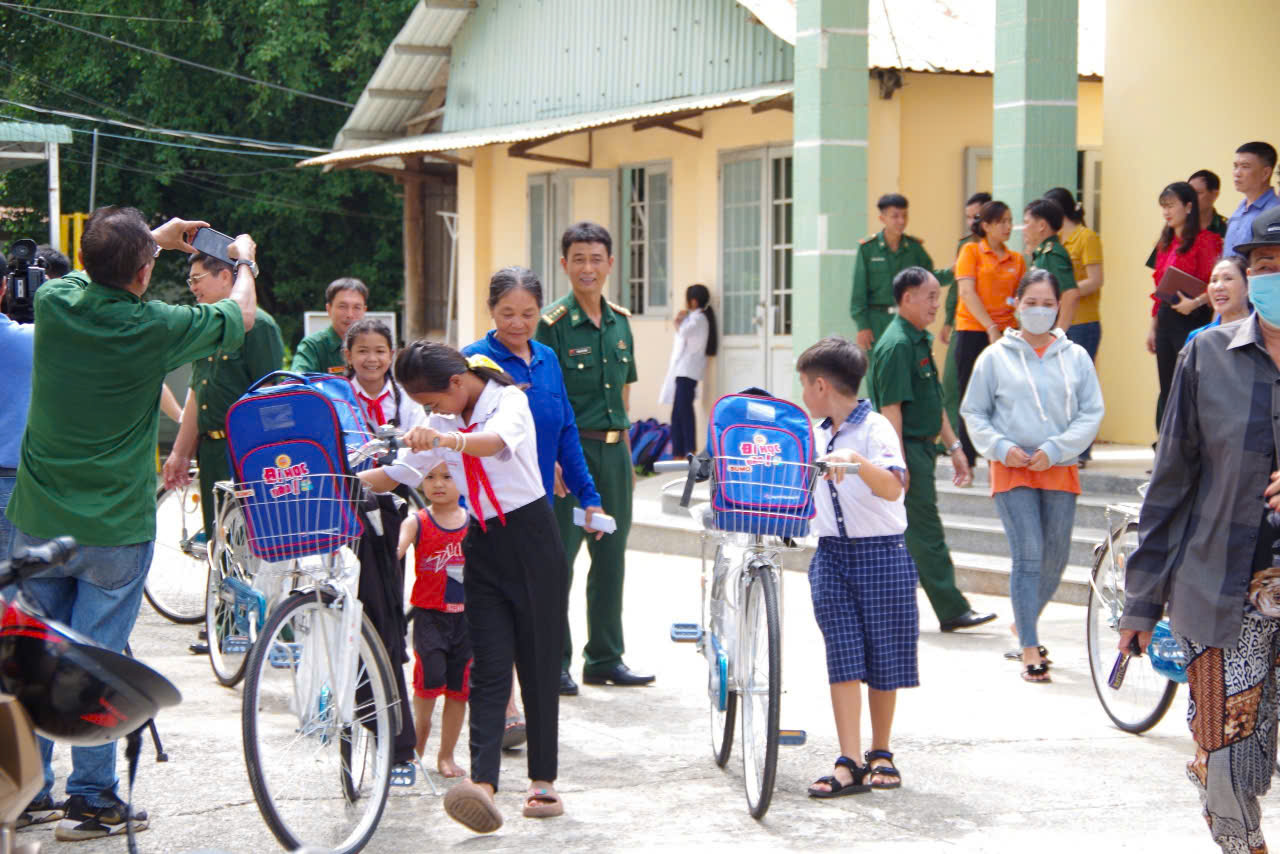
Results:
<point x="829" y="210"/>
<point x="1034" y="100"/>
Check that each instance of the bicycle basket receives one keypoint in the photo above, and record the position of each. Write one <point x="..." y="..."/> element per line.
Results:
<point x="74" y="690"/>
<point x="292" y="513"/>
<point x="761" y="496"/>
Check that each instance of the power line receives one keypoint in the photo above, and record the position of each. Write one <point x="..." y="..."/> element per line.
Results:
<point x="247" y="142"/>
<point x="201" y="66"/>
<point x="99" y="14"/>
<point x="233" y="152"/>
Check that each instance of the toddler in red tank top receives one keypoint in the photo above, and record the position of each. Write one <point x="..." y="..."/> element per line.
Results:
<point x="441" y="644"/>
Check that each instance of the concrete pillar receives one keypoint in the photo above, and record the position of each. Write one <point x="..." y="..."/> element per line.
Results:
<point x="1034" y="100"/>
<point x="829" y="213"/>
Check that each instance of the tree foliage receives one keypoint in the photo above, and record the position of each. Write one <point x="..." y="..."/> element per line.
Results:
<point x="311" y="226"/>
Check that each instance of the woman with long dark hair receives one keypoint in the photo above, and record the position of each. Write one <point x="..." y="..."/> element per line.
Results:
<point x="1184" y="246"/>
<point x="696" y="340"/>
<point x="987" y="274"/>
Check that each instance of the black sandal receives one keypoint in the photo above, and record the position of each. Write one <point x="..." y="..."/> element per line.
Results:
<point x="882" y="770"/>
<point x="1016" y="655"/>
<point x="1035" y="670"/>
<point x="838" y="789"/>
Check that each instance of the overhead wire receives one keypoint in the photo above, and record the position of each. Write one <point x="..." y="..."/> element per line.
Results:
<point x="121" y="43"/>
<point x="99" y="14"/>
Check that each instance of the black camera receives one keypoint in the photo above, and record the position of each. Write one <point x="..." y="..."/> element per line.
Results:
<point x="25" y="273"/>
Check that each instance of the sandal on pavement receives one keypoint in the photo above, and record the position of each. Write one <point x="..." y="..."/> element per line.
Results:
<point x="471" y="805"/>
<point x="1016" y="655"/>
<point x="885" y="770"/>
<point x="403" y="774"/>
<point x="543" y="803"/>
<point x="1036" y="673"/>
<point x="838" y="789"/>
<point x="514" y="733"/>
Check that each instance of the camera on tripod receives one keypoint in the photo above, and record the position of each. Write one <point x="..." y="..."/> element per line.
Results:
<point x="25" y="273"/>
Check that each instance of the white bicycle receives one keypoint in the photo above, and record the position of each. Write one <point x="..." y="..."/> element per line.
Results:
<point x="740" y="633"/>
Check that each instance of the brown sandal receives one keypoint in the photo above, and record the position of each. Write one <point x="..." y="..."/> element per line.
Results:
<point x="543" y="803"/>
<point x="471" y="805"/>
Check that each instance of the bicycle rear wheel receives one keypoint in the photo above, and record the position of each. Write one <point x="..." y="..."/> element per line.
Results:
<point x="175" y="584"/>
<point x="761" y="681"/>
<point x="234" y="609"/>
<point x="722" y="701"/>
<point x="1145" y="695"/>
<point x="319" y="781"/>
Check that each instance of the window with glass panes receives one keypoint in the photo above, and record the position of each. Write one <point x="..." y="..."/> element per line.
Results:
<point x="645" y="253"/>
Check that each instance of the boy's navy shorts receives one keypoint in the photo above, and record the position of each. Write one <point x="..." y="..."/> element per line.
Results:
<point x="864" y="599"/>
<point x="442" y="646"/>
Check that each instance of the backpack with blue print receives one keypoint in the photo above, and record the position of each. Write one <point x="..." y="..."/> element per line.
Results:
<point x="763" y="465"/>
<point x="288" y="449"/>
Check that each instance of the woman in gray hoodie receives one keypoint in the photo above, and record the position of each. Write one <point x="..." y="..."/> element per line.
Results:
<point x="1032" y="406"/>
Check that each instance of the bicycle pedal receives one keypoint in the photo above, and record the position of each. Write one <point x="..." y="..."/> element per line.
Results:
<point x="792" y="737"/>
<point x="236" y="645"/>
<point x="284" y="655"/>
<point x="403" y="774"/>
<point x="686" y="632"/>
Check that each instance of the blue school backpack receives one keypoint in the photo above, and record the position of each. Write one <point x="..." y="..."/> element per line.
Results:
<point x="288" y="450"/>
<point x="654" y="445"/>
<point x="762" y="471"/>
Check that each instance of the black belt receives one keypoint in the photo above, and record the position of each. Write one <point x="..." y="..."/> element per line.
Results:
<point x="924" y="440"/>
<point x="5" y="471"/>
<point x="609" y="437"/>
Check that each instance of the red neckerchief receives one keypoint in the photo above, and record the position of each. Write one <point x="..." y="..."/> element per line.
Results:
<point x="477" y="478"/>
<point x="373" y="406"/>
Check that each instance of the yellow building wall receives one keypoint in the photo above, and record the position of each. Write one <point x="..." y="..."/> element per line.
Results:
<point x="917" y="146"/>
<point x="1158" y="131"/>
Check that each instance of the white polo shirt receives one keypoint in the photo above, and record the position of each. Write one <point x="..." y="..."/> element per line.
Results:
<point x="513" y="472"/>
<point x="865" y="515"/>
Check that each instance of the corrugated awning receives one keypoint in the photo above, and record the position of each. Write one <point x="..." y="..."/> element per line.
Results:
<point x="436" y="143"/>
<point x="23" y="143"/>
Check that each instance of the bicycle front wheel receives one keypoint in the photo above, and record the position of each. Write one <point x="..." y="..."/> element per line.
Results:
<point x="235" y="610"/>
<point x="761" y="688"/>
<point x="1145" y="695"/>
<point x="320" y="776"/>
<point x="175" y="584"/>
<point x="722" y="701"/>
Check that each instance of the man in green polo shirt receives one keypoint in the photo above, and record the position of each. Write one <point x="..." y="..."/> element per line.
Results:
<point x="880" y="257"/>
<point x="345" y="301"/>
<point x="87" y="462"/>
<point x="1041" y="221"/>
<point x="904" y="388"/>
<point x="217" y="381"/>
<point x="592" y="337"/>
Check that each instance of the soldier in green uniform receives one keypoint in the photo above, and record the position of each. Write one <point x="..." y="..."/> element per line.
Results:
<point x="880" y="258"/>
<point x="904" y="388"/>
<point x="1041" y="222"/>
<point x="592" y="338"/>
<point x="345" y="301"/>
<point x="947" y="278"/>
<point x="218" y="381"/>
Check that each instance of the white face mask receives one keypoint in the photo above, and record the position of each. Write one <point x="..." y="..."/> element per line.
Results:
<point x="1037" y="319"/>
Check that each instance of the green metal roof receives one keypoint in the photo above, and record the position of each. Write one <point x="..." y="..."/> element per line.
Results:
<point x="32" y="132"/>
<point x="519" y="61"/>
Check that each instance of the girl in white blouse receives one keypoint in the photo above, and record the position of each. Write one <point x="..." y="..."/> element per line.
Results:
<point x="382" y="400"/>
<point x="515" y="583"/>
<point x="696" y="340"/>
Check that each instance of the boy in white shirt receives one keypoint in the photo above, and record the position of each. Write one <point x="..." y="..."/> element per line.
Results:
<point x="862" y="579"/>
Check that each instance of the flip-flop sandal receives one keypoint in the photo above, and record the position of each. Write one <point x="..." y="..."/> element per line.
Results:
<point x="514" y="733"/>
<point x="403" y="774"/>
<point x="1016" y="655"/>
<point x="542" y="803"/>
<point x="838" y="789"/>
<point x="1031" y="672"/>
<point x="471" y="806"/>
<point x="886" y="770"/>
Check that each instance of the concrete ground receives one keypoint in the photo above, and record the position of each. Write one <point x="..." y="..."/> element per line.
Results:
<point x="990" y="764"/>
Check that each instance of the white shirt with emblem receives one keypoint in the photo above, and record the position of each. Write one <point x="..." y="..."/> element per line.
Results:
<point x="513" y="472"/>
<point x="865" y="515"/>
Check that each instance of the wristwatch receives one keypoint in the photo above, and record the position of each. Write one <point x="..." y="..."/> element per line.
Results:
<point x="954" y="446"/>
<point x="252" y="265"/>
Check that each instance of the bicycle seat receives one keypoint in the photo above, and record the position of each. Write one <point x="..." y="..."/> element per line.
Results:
<point x="75" y="690"/>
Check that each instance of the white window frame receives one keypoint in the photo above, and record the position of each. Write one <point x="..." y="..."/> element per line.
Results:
<point x="649" y="306"/>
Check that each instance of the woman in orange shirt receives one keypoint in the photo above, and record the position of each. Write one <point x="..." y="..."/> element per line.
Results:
<point x="987" y="274"/>
<point x="1032" y="407"/>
